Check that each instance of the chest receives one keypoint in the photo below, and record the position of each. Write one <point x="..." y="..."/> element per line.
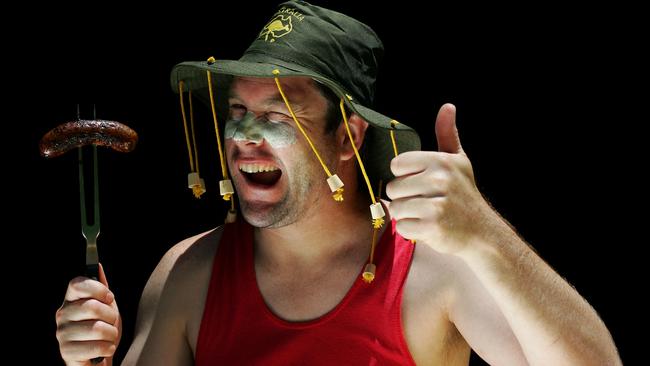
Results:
<point x="424" y="325"/>
<point x="305" y="296"/>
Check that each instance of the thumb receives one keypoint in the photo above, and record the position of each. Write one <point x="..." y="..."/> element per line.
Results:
<point x="446" y="131"/>
<point x="102" y="275"/>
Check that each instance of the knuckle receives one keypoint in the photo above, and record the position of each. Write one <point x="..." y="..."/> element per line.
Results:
<point x="58" y="316"/>
<point x="105" y="349"/>
<point x="441" y="180"/>
<point x="67" y="351"/>
<point x="97" y="310"/>
<point x="440" y="176"/>
<point x="439" y="205"/>
<point x="402" y="226"/>
<point x="60" y="336"/>
<point x="92" y="307"/>
<point x="104" y="330"/>
<point x="436" y="216"/>
<point x="430" y="204"/>
<point x="445" y="182"/>
<point x="389" y="189"/>
<point x="399" y="226"/>
<point x="395" y="209"/>
<point x="63" y="331"/>
<point x="394" y="165"/>
<point x="77" y="282"/>
<point x="445" y="160"/>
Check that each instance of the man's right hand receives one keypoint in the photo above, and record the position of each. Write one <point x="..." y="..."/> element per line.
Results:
<point x="88" y="323"/>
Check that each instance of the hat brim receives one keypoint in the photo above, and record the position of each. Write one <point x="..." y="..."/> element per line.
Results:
<point x="378" y="141"/>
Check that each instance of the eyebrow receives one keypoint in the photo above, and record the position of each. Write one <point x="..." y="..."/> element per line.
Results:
<point x="272" y="100"/>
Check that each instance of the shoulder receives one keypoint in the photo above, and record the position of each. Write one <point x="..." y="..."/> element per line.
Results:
<point x="429" y="293"/>
<point x="433" y="275"/>
<point x="187" y="269"/>
<point x="439" y="274"/>
<point x="194" y="248"/>
<point x="190" y="256"/>
<point x="173" y="299"/>
<point x="184" y="269"/>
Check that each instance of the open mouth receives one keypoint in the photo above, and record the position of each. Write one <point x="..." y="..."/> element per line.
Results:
<point x="260" y="174"/>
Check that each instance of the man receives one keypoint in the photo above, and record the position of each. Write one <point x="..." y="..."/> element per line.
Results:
<point x="285" y="285"/>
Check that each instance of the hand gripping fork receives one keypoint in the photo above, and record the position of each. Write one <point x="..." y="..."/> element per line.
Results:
<point x="81" y="133"/>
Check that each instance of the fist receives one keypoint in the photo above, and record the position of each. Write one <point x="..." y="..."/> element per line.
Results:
<point x="88" y="322"/>
<point x="435" y="200"/>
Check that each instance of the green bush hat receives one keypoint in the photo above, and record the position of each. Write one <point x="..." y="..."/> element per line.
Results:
<point x="306" y="40"/>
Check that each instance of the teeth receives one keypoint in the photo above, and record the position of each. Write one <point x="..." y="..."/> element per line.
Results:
<point x="256" y="168"/>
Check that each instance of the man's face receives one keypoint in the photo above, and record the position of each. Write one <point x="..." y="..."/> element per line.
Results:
<point x="277" y="176"/>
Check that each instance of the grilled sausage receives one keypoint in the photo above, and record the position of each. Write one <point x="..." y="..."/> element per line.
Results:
<point x="69" y="135"/>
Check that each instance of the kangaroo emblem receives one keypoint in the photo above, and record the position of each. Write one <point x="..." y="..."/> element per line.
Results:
<point x="279" y="26"/>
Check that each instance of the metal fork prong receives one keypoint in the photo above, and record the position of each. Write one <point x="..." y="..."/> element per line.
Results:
<point x="96" y="194"/>
<point x="87" y="228"/>
<point x="82" y="192"/>
<point x="90" y="232"/>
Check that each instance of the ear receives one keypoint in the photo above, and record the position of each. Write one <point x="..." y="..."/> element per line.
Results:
<point x="358" y="130"/>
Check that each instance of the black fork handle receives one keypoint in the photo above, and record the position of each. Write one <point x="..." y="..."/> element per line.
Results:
<point x="92" y="271"/>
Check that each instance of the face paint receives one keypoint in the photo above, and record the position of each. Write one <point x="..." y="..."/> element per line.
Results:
<point x="249" y="128"/>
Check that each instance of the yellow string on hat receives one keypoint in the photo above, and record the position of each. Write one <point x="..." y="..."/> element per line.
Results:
<point x="181" y="85"/>
<point x="393" y="124"/>
<point x="225" y="185"/>
<point x="195" y="183"/>
<point x="375" y="209"/>
<point x="196" y="151"/>
<point x="336" y="185"/>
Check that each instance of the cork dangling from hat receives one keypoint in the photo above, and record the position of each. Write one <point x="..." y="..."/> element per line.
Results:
<point x="226" y="189"/>
<point x="195" y="182"/>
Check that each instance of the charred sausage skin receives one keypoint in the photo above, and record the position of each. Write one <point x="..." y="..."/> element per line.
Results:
<point x="69" y="135"/>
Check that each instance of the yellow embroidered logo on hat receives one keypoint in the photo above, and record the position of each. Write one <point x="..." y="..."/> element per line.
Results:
<point x="278" y="27"/>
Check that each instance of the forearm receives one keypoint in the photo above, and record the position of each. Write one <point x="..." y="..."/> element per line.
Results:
<point x="553" y="323"/>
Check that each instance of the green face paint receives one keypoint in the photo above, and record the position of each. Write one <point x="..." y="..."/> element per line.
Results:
<point x="249" y="128"/>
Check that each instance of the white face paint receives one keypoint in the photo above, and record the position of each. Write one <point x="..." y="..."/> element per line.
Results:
<point x="249" y="128"/>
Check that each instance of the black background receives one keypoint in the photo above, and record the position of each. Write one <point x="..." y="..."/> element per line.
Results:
<point x="544" y="113"/>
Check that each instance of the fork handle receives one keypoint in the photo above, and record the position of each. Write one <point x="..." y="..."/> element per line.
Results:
<point x="92" y="271"/>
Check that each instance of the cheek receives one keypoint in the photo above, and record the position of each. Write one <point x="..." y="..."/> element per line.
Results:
<point x="279" y="135"/>
<point x="228" y="150"/>
<point x="229" y="130"/>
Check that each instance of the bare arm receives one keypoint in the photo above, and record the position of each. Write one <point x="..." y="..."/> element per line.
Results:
<point x="436" y="202"/>
<point x="161" y="329"/>
<point x="479" y="319"/>
<point x="553" y="323"/>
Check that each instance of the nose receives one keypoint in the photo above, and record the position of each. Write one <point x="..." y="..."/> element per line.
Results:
<point x="248" y="130"/>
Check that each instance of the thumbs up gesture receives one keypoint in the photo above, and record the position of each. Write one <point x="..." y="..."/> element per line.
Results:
<point x="435" y="200"/>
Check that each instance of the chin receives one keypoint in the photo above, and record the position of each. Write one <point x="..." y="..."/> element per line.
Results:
<point x="266" y="215"/>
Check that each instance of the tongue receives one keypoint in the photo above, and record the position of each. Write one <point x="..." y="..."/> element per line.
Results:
<point x="265" y="178"/>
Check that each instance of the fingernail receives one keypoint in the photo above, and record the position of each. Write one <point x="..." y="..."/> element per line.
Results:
<point x="110" y="297"/>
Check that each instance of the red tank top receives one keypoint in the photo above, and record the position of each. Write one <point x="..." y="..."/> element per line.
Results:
<point x="365" y="328"/>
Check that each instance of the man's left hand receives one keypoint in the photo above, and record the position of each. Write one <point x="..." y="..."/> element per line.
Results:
<point x="435" y="200"/>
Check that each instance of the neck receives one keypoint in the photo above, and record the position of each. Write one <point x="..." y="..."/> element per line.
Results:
<point x="334" y="231"/>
